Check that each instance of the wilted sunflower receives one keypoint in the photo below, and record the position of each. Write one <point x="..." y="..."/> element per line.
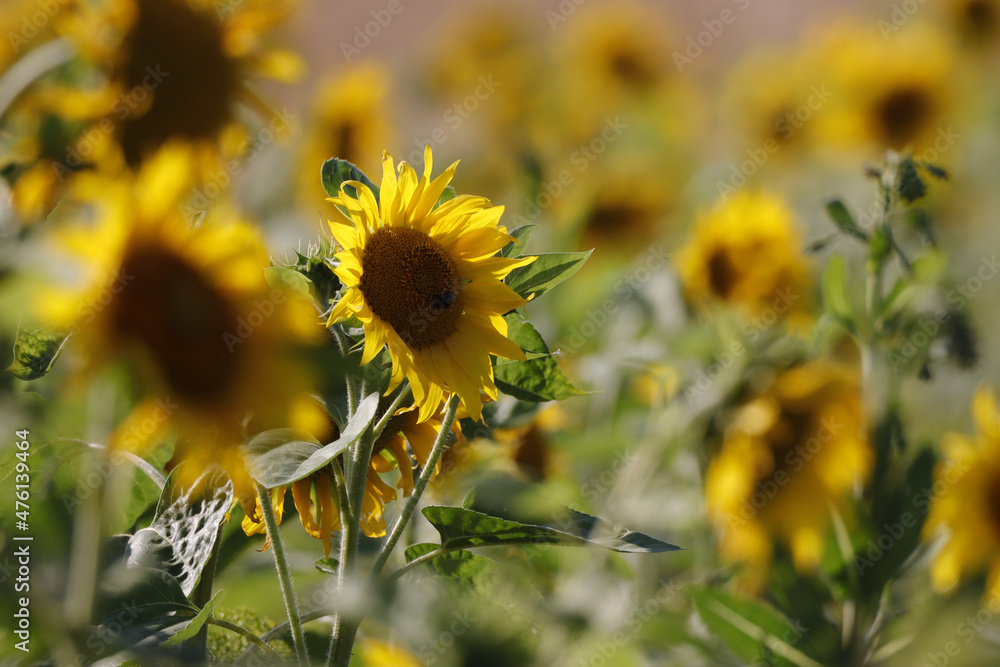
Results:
<point x="529" y="447"/>
<point x="966" y="501"/>
<point x="187" y="310"/>
<point x="425" y="282"/>
<point x="348" y="121"/>
<point x="746" y="252"/>
<point x="887" y="93"/>
<point x="792" y="451"/>
<point x="178" y="67"/>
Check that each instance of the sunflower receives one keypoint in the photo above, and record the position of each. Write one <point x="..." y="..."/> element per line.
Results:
<point x="887" y="93"/>
<point x="179" y="67"/>
<point x="186" y="310"/>
<point x="978" y="20"/>
<point x="425" y="282"/>
<point x="746" y="253"/>
<point x="788" y="453"/>
<point x="530" y="446"/>
<point x="966" y="500"/>
<point x="767" y="100"/>
<point x="349" y="122"/>
<point x="378" y="653"/>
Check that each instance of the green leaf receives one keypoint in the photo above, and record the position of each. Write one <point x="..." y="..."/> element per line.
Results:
<point x="835" y="293"/>
<point x="909" y="185"/>
<point x="750" y="628"/>
<point x="419" y="549"/>
<point x="282" y="276"/>
<point x="282" y="456"/>
<point x="335" y="172"/>
<point x="194" y="627"/>
<point x="188" y="519"/>
<point x="516" y="247"/>
<point x="880" y="245"/>
<point x="842" y="218"/>
<point x="131" y="594"/>
<point x="547" y="271"/>
<point x="819" y="245"/>
<point x="934" y="170"/>
<point x="35" y="351"/>
<point x="461" y="528"/>
<point x="447" y="195"/>
<point x="539" y="379"/>
<point x="327" y="565"/>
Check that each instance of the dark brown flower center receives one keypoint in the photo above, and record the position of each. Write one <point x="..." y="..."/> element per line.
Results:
<point x="722" y="273"/>
<point x="169" y="308"/>
<point x="175" y="55"/>
<point x="980" y="18"/>
<point x="902" y="114"/>
<point x="795" y="438"/>
<point x="412" y="284"/>
<point x="633" y="69"/>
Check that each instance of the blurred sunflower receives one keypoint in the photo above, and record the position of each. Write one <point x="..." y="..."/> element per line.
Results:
<point x="530" y="447"/>
<point x="425" y="282"/>
<point x="187" y="310"/>
<point x="746" y="252"/>
<point x="887" y="93"/>
<point x="789" y="453"/>
<point x="487" y="52"/>
<point x="179" y="67"/>
<point x="378" y="653"/>
<point x="767" y="100"/>
<point x="977" y="20"/>
<point x="404" y="428"/>
<point x="616" y="51"/>
<point x="348" y="122"/>
<point x="969" y="505"/>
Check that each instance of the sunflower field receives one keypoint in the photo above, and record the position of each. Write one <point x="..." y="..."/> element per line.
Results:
<point x="573" y="333"/>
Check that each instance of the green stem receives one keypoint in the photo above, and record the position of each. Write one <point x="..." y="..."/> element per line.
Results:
<point x="418" y="489"/>
<point x="33" y="65"/>
<point x="345" y="629"/>
<point x="284" y="576"/>
<point x="352" y="398"/>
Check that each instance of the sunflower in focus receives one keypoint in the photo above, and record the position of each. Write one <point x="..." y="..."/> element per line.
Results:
<point x="968" y="504"/>
<point x="746" y="252"/>
<point x="790" y="452"/>
<point x="887" y="93"/>
<point x="349" y="121"/>
<point x="425" y="282"/>
<point x="186" y="310"/>
<point x="178" y="68"/>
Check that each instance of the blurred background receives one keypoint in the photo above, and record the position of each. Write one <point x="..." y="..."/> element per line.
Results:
<point x="616" y="126"/>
